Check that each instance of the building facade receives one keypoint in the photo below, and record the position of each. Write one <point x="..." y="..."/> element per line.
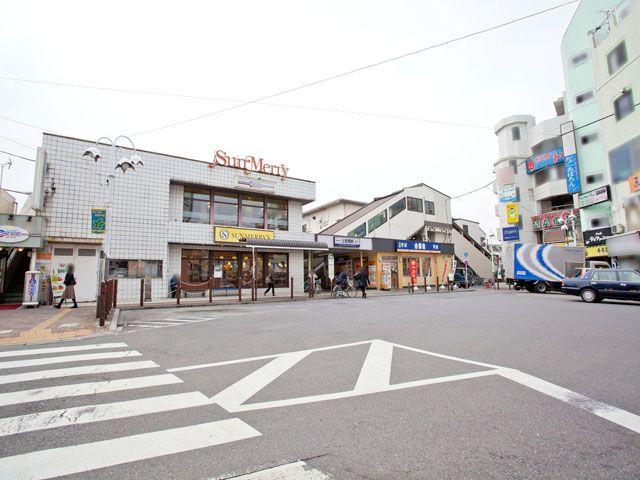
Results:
<point x="323" y="216"/>
<point x="170" y="216"/>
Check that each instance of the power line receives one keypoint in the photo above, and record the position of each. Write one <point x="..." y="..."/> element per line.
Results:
<point x="355" y="70"/>
<point x="19" y="156"/>
<point x="17" y="142"/>
<point x="31" y="125"/>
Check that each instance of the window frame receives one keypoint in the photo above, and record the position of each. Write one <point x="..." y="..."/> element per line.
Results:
<point x="418" y="201"/>
<point x="138" y="268"/>
<point x="383" y="215"/>
<point x="594" y="133"/>
<point x="353" y="232"/>
<point x="584" y="58"/>
<point x="427" y="210"/>
<point x="514" y="129"/>
<point x="403" y="201"/>
<point x="589" y="93"/>
<point x="614" y="50"/>
<point x="192" y="190"/>
<point x="616" y="108"/>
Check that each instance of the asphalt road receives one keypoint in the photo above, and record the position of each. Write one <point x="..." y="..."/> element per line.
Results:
<point x="539" y="386"/>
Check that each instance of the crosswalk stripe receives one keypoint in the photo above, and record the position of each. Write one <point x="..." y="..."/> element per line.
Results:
<point x="55" y="462"/>
<point x="37" y="394"/>
<point x="68" y="358"/>
<point x="183" y="320"/>
<point x="73" y="371"/>
<point x="100" y="412"/>
<point x="157" y="323"/>
<point x="42" y="351"/>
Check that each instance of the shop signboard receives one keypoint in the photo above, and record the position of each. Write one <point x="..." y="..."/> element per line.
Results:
<point x="513" y="215"/>
<point x="413" y="246"/>
<point x="238" y="235"/>
<point x="385" y="275"/>
<point x="13" y="234"/>
<point x="510" y="234"/>
<point x="248" y="164"/>
<point x="413" y="270"/>
<point x="31" y="293"/>
<point x="634" y="182"/>
<point x="594" y="197"/>
<point x="596" y="251"/>
<point x="508" y="193"/>
<point x="349" y="242"/>
<point x="331" y="268"/>
<point x="597" y="236"/>
<point x="98" y="220"/>
<point x="543" y="160"/>
<point x="571" y="173"/>
<point x="550" y="220"/>
<point x="58" y="273"/>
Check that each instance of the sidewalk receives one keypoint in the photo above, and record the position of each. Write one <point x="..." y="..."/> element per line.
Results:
<point x="45" y="323"/>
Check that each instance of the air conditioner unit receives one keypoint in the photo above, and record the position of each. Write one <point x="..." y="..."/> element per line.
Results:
<point x="617" y="229"/>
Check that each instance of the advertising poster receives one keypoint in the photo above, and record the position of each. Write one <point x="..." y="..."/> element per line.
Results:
<point x="31" y="288"/>
<point x="508" y="193"/>
<point x="58" y="272"/>
<point x="98" y="220"/>
<point x="373" y="272"/>
<point x="413" y="270"/>
<point x="513" y="216"/>
<point x="385" y="276"/>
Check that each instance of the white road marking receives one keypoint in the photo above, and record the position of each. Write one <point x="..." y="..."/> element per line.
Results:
<point x="68" y="325"/>
<point x="291" y="471"/>
<point x="142" y="327"/>
<point x="447" y="357"/>
<point x="335" y="396"/>
<point x="68" y="358"/>
<point x="42" y="351"/>
<point x="376" y="370"/>
<point x="184" y="320"/>
<point x="4" y="332"/>
<point x="100" y="412"/>
<point x="613" y="414"/>
<point x="56" y="462"/>
<point x="244" y="389"/>
<point x="154" y="323"/>
<point x="90" y="388"/>
<point x="73" y="371"/>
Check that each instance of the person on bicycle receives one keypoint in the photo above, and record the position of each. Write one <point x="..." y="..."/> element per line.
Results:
<point x="342" y="280"/>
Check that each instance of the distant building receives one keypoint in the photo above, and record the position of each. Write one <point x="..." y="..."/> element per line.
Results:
<point x="7" y="202"/>
<point x="318" y="218"/>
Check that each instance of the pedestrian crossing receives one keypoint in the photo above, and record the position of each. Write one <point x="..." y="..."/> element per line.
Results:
<point x="152" y="323"/>
<point x="70" y="388"/>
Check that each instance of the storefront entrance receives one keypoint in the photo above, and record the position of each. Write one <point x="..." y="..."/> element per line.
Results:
<point x="85" y="259"/>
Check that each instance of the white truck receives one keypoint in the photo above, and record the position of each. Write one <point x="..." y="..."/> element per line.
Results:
<point x="540" y="268"/>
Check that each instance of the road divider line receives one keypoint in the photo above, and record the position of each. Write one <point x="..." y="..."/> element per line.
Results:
<point x="616" y="415"/>
<point x="56" y="462"/>
<point x="97" y="413"/>
<point x="158" y="323"/>
<point x="42" y="351"/>
<point x="376" y="369"/>
<point x="68" y="358"/>
<point x="244" y="389"/>
<point x="89" y="388"/>
<point x="291" y="471"/>
<point x="73" y="371"/>
<point x="447" y="357"/>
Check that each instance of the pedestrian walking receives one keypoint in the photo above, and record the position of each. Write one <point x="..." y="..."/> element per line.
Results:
<point x="69" y="292"/>
<point x="173" y="284"/>
<point x="362" y="279"/>
<point x="271" y="283"/>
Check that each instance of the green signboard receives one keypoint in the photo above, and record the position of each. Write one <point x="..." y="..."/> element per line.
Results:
<point x="98" y="220"/>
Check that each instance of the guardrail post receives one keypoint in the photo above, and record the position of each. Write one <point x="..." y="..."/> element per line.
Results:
<point x="239" y="290"/>
<point x="425" y="284"/>
<point x="103" y="295"/>
<point x="178" y="293"/>
<point x="142" y="292"/>
<point x="291" y="286"/>
<point x="115" y="293"/>
<point x="210" y="291"/>
<point x="437" y="284"/>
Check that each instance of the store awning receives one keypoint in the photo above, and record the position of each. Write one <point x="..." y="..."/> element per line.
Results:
<point x="285" y="244"/>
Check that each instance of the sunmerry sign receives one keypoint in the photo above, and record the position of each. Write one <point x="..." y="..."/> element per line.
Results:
<point x="594" y="197"/>
<point x="13" y="234"/>
<point x="237" y="235"/>
<point x="248" y="164"/>
<point x="413" y="246"/>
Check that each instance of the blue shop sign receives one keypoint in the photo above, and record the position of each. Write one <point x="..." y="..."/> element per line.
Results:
<point x="413" y="246"/>
<point x="510" y="233"/>
<point x="544" y="160"/>
<point x="571" y="173"/>
<point x="350" y="242"/>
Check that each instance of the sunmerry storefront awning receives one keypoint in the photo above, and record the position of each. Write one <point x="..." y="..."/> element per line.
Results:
<point x="284" y="244"/>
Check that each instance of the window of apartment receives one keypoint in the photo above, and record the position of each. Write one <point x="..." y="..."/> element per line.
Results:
<point x="397" y="207"/>
<point x="379" y="219"/>
<point x="135" y="268"/>
<point x="589" y="138"/>
<point x="359" y="231"/>
<point x="584" y="97"/>
<point x="623" y="105"/>
<point x="624" y="160"/>
<point x="465" y="229"/>
<point x="549" y="174"/>
<point x="277" y="214"/>
<point x="225" y="209"/>
<point x="579" y="58"/>
<point x="429" y="207"/>
<point x="515" y="133"/>
<point x="414" y="204"/>
<point x="600" y="221"/>
<point x="595" y="178"/>
<point x="196" y="205"/>
<point x="251" y="211"/>
<point x="617" y="57"/>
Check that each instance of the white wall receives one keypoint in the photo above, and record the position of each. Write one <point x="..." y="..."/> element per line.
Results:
<point x="328" y="216"/>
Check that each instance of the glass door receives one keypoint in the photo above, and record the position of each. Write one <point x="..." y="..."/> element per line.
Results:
<point x="225" y="269"/>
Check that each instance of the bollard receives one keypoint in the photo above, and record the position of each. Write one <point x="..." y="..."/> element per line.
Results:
<point x="115" y="293"/>
<point x="425" y="284"/>
<point x="210" y="291"/>
<point x="437" y="284"/>
<point x="178" y="293"/>
<point x="239" y="291"/>
<point x="142" y="292"/>
<point x="102" y="301"/>
<point x="291" y="285"/>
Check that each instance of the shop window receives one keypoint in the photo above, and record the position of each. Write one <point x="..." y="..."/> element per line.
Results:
<point x="376" y="221"/>
<point x="406" y="266"/>
<point x="624" y="160"/>
<point x="359" y="231"/>
<point x="225" y="209"/>
<point x="429" y="207"/>
<point x="63" y="252"/>
<point x="617" y="57"/>
<point x="579" y="58"/>
<point x="252" y="211"/>
<point x="414" y="204"/>
<point x="225" y="270"/>
<point x="397" y="207"/>
<point x="135" y="268"/>
<point x="86" y="252"/>
<point x="196" y="205"/>
<point x="589" y="138"/>
<point x="277" y="214"/>
<point x="195" y="266"/>
<point x="623" y="105"/>
<point x="247" y="270"/>
<point x="515" y="133"/>
<point x="278" y="265"/>
<point x="595" y="178"/>
<point x="584" y="97"/>
<point x="150" y="268"/>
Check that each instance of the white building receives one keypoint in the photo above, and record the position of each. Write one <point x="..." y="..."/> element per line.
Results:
<point x="173" y="215"/>
<point x="323" y="216"/>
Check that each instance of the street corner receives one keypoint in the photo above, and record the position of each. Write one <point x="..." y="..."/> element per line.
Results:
<point x="25" y="326"/>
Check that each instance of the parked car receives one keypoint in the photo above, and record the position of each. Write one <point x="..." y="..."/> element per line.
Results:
<point x="594" y="285"/>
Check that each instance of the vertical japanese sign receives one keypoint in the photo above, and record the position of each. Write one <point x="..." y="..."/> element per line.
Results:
<point x="98" y="220"/>
<point x="413" y="270"/>
<point x="571" y="173"/>
<point x="513" y="214"/>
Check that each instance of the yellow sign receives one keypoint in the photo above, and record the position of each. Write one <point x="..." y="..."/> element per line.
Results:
<point x="634" y="182"/>
<point x="512" y="213"/>
<point x="237" y="235"/>
<point x="596" y="251"/>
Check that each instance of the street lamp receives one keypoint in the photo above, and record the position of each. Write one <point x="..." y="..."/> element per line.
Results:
<point x="569" y="226"/>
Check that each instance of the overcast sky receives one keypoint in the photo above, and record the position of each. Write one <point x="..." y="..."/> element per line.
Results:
<point x="241" y="50"/>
